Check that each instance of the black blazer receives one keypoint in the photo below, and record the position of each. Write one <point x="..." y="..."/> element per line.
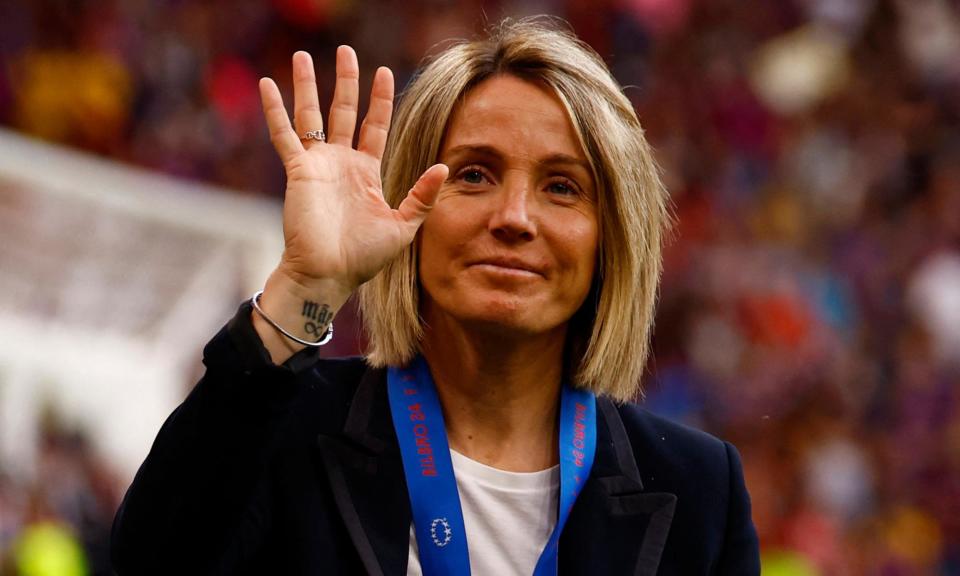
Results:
<point x="295" y="469"/>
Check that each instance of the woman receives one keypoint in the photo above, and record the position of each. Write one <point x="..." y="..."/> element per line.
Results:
<point x="508" y="296"/>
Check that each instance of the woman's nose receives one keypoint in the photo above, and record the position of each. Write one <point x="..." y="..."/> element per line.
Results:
<point x="512" y="218"/>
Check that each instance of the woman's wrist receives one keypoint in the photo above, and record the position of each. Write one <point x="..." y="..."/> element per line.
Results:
<point x="302" y="308"/>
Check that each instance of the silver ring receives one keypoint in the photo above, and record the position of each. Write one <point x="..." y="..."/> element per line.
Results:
<point x="314" y="135"/>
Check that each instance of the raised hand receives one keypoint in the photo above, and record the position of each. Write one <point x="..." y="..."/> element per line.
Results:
<point x="336" y="223"/>
<point x="338" y="230"/>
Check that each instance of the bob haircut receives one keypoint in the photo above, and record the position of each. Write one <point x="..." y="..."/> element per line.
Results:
<point x="608" y="338"/>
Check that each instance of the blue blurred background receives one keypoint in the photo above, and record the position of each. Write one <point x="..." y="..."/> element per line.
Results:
<point x="810" y="306"/>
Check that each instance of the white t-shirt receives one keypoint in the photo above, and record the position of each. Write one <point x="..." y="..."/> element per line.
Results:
<point x="509" y="517"/>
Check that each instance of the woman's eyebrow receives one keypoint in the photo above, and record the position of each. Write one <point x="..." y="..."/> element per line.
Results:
<point x="480" y="149"/>
<point x="554" y="159"/>
<point x="490" y="151"/>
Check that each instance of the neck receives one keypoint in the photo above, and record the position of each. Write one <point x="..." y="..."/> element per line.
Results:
<point x="500" y="395"/>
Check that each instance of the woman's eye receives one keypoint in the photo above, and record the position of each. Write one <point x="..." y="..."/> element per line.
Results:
<point x="563" y="188"/>
<point x="472" y="177"/>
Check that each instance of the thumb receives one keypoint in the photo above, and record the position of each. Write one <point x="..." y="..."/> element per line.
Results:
<point x="421" y="198"/>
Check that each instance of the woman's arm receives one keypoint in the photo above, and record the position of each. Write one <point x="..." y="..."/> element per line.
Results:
<point x="197" y="504"/>
<point x="195" y="494"/>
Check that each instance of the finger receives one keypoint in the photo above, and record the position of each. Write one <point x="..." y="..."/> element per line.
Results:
<point x="284" y="139"/>
<point x="343" y="111"/>
<point x="306" y="103"/>
<point x="421" y="198"/>
<point x="376" y="125"/>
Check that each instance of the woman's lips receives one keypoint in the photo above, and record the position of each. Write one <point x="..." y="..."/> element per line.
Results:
<point x="509" y="266"/>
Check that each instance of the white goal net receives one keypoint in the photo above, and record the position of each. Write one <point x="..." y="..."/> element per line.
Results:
<point x="111" y="280"/>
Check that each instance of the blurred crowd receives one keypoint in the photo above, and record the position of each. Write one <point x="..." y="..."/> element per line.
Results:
<point x="810" y="308"/>
<point x="58" y="523"/>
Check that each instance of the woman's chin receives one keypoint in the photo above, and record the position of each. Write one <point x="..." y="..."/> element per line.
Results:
<point x="508" y="318"/>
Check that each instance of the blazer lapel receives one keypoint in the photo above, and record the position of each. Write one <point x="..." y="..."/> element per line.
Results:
<point x="366" y="476"/>
<point x="615" y="527"/>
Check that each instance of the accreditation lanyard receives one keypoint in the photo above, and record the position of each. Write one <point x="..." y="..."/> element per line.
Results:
<point x="434" y="499"/>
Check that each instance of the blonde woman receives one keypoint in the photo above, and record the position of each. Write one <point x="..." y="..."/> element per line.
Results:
<point x="504" y="233"/>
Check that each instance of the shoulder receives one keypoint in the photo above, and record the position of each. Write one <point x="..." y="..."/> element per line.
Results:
<point x="676" y="457"/>
<point x="327" y="390"/>
<point x="669" y="438"/>
<point x="337" y="373"/>
<point x="706" y="475"/>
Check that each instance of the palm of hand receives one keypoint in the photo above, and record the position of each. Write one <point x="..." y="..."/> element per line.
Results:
<point x="337" y="226"/>
<point x="336" y="222"/>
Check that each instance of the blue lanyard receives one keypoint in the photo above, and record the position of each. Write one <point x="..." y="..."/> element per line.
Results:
<point x="437" y="517"/>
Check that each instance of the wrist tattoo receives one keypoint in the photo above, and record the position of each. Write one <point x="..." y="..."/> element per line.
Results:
<point x="317" y="316"/>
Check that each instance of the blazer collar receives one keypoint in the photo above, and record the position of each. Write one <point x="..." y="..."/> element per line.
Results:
<point x="616" y="527"/>
<point x="613" y="519"/>
<point x="369" y="423"/>
<point x="615" y="462"/>
<point x="365" y="472"/>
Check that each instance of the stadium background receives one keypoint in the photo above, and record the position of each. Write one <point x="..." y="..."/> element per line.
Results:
<point x="810" y="307"/>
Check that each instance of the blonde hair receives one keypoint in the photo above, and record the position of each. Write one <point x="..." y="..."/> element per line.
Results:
<point x="608" y="338"/>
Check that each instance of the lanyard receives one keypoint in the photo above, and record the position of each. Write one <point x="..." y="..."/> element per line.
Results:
<point x="437" y="517"/>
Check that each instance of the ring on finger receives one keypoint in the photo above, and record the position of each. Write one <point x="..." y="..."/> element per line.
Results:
<point x="318" y="135"/>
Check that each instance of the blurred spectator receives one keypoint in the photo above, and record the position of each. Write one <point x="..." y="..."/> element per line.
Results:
<point x="58" y="523"/>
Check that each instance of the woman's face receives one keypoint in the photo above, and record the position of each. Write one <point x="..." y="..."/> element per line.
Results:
<point x="512" y="240"/>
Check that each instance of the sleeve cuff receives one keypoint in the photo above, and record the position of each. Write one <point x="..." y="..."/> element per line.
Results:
<point x="253" y="355"/>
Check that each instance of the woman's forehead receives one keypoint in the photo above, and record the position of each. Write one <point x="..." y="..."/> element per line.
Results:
<point x="506" y="111"/>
